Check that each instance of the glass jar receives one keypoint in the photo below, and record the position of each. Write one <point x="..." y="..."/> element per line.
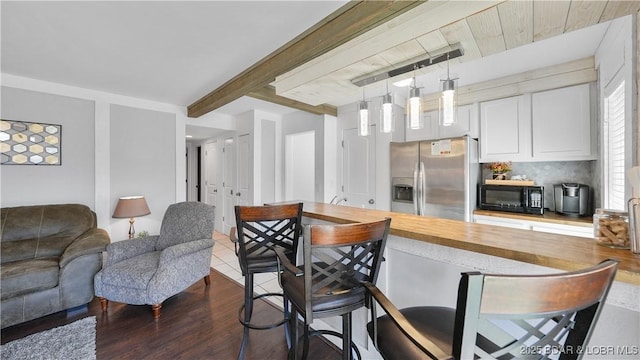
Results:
<point x="611" y="228"/>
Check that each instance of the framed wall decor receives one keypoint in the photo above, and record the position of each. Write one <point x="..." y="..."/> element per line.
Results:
<point x="28" y="143"/>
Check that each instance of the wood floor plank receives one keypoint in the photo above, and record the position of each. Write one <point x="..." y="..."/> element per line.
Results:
<point x="199" y="323"/>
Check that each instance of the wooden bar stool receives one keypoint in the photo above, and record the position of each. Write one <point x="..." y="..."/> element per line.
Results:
<point x="261" y="230"/>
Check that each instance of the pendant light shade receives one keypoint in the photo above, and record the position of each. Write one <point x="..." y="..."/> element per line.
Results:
<point x="414" y="111"/>
<point x="386" y="114"/>
<point x="448" y="101"/>
<point x="363" y="118"/>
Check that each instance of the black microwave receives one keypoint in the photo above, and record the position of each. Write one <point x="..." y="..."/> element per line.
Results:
<point x="520" y="199"/>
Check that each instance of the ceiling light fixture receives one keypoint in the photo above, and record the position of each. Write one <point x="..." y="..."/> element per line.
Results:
<point x="444" y="54"/>
<point x="386" y="112"/>
<point x="447" y="103"/>
<point x="363" y="117"/>
<point x="414" y="112"/>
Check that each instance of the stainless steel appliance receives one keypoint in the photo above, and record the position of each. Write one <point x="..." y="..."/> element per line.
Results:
<point x="521" y="199"/>
<point x="435" y="177"/>
<point x="572" y="199"/>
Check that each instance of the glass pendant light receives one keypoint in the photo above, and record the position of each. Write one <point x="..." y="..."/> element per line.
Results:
<point x="414" y="112"/>
<point x="363" y="117"/>
<point x="447" y="104"/>
<point x="386" y="113"/>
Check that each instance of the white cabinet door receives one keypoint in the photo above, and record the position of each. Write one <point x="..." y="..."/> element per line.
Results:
<point x="359" y="171"/>
<point x="498" y="221"/>
<point x="562" y="229"/>
<point x="428" y="132"/>
<point x="505" y="129"/>
<point x="561" y="122"/>
<point x="466" y="123"/>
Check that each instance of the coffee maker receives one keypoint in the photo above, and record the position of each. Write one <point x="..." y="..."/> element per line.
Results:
<point x="572" y="199"/>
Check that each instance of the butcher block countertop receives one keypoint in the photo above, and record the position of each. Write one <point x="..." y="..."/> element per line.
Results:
<point x="545" y="249"/>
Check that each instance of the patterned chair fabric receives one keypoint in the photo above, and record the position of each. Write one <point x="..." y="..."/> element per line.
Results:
<point x="149" y="270"/>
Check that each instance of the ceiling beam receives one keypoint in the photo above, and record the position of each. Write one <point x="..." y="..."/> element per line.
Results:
<point x="351" y="20"/>
<point x="268" y="93"/>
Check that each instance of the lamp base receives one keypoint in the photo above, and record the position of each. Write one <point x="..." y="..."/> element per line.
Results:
<point x="132" y="230"/>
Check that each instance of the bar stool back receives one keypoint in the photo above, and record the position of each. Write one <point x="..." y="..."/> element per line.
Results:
<point x="260" y="231"/>
<point x="337" y="259"/>
<point x="499" y="317"/>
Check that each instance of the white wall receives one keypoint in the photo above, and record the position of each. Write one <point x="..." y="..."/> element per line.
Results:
<point x="142" y="154"/>
<point x="73" y="180"/>
<point x="96" y="152"/>
<point x="300" y="122"/>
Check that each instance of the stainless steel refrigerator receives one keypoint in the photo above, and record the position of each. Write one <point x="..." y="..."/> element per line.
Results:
<point x="435" y="177"/>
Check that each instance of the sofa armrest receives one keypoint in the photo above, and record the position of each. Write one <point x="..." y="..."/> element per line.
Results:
<point x="127" y="249"/>
<point x="176" y="251"/>
<point x="92" y="241"/>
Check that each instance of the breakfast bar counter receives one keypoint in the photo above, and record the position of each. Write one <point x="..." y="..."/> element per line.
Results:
<point x="539" y="248"/>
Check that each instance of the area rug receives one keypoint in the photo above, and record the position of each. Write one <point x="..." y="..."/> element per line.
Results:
<point x="75" y="341"/>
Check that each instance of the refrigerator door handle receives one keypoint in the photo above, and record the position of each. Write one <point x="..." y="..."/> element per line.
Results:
<point x="416" y="190"/>
<point x="423" y="186"/>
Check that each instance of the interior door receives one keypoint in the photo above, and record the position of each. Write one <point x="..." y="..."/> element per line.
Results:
<point x="358" y="169"/>
<point x="211" y="173"/>
<point x="228" y="183"/>
<point x="243" y="193"/>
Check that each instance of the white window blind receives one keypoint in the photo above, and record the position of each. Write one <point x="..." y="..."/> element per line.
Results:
<point x="613" y="136"/>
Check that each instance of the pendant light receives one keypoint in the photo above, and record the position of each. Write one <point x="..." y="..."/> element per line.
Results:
<point x="414" y="112"/>
<point x="386" y="113"/>
<point x="448" y="99"/>
<point x="363" y="117"/>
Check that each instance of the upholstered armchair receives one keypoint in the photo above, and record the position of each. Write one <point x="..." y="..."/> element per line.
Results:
<point x="148" y="270"/>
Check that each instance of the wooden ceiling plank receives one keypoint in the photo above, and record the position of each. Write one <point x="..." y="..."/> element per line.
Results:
<point x="420" y="20"/>
<point x="432" y="41"/>
<point x="459" y="32"/>
<point x="486" y="29"/>
<point x="347" y="23"/>
<point x="516" y="18"/>
<point x="583" y="14"/>
<point x="549" y="18"/>
<point x="268" y="93"/>
<point x="616" y="9"/>
<point x="402" y="53"/>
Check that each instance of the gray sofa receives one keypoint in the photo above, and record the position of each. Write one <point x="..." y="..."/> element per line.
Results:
<point x="50" y="254"/>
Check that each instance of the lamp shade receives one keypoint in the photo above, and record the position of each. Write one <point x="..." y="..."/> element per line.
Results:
<point x="363" y="118"/>
<point x="130" y="207"/>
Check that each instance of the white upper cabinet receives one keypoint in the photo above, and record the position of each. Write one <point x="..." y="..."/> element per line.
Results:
<point x="562" y="126"/>
<point x="505" y="129"/>
<point x="466" y="124"/>
<point x="553" y="125"/>
<point x="428" y="132"/>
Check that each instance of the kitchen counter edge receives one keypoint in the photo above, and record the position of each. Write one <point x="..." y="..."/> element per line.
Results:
<point x="545" y="249"/>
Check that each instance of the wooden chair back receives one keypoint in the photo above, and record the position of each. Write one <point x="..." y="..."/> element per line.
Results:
<point x="524" y="315"/>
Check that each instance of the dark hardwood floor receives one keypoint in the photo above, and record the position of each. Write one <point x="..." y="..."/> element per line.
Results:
<point x="199" y="323"/>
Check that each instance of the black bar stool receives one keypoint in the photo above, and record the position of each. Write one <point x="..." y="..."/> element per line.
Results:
<point x="261" y="230"/>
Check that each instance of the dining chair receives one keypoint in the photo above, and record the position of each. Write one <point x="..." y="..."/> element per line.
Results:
<point x="260" y="231"/>
<point x="499" y="317"/>
<point x="337" y="259"/>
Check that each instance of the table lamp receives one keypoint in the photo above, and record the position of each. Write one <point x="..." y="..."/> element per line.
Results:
<point x="131" y="207"/>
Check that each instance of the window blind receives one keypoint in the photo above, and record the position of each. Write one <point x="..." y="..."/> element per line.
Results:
<point x="613" y="136"/>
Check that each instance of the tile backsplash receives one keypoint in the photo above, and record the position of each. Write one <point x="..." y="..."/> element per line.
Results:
<point x="556" y="172"/>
